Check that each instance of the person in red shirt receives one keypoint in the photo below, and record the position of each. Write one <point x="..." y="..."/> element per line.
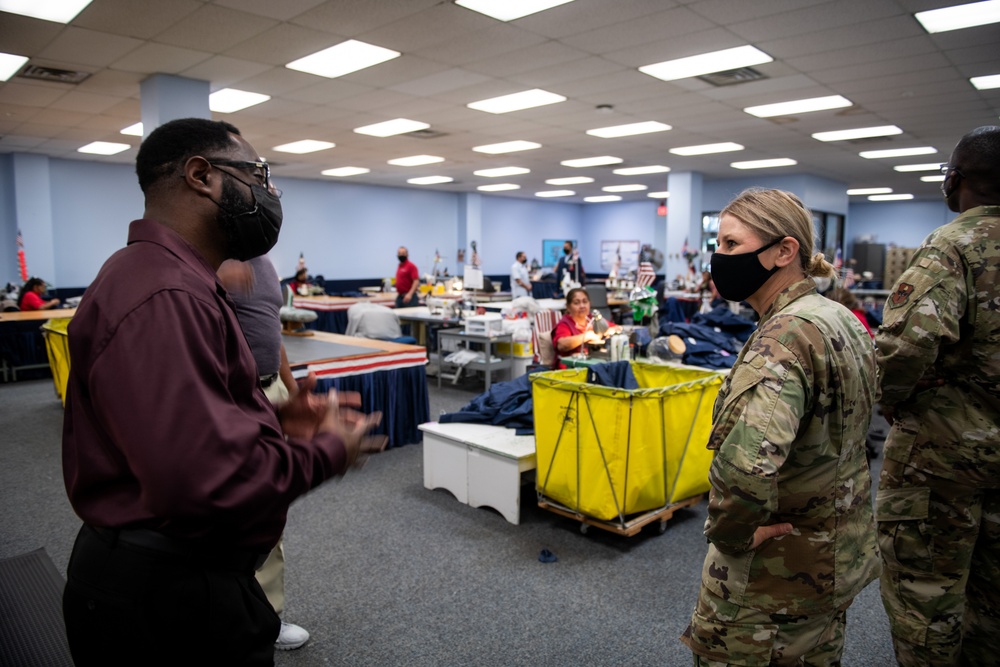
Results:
<point x="573" y="330"/>
<point x="407" y="280"/>
<point x="847" y="298"/>
<point x="30" y="297"/>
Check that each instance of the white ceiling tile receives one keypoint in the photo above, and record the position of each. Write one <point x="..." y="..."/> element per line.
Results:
<point x="479" y="44"/>
<point x="89" y="47"/>
<point x="441" y="82"/>
<point x="282" y="11"/>
<point x="26" y="36"/>
<point x="215" y="28"/>
<point x="680" y="46"/>
<point x="552" y="54"/>
<point x="659" y="28"/>
<point x="142" y="19"/>
<point x="29" y="94"/>
<point x="85" y="102"/>
<point x="226" y="72"/>
<point x="352" y="17"/>
<point x="419" y="31"/>
<point x="283" y="43"/>
<point x="396" y="71"/>
<point x="820" y="19"/>
<point x="585" y="15"/>
<point x="556" y="75"/>
<point x="160" y="58"/>
<point x="872" y="32"/>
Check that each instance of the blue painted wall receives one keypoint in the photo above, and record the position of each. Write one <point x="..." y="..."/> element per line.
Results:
<point x="905" y="224"/>
<point x="510" y="225"/>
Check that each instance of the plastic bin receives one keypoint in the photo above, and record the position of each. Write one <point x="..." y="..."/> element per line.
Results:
<point x="57" y="347"/>
<point x="612" y="453"/>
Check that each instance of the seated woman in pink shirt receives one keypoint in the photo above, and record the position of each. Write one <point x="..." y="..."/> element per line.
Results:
<point x="30" y="297"/>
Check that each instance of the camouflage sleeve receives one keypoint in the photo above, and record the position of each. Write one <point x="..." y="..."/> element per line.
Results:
<point x="753" y="432"/>
<point x="923" y="312"/>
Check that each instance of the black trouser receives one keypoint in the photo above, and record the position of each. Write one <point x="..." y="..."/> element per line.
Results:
<point x="126" y="604"/>
<point x="402" y="303"/>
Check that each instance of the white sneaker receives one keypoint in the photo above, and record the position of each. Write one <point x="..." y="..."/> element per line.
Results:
<point x="291" y="637"/>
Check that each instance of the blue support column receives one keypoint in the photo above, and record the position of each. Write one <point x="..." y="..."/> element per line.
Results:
<point x="165" y="97"/>
<point x="683" y="220"/>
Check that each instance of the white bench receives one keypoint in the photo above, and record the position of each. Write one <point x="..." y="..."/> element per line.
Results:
<point x="479" y="464"/>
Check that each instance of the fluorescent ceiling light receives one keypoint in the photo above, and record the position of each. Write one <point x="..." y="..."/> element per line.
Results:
<point x="764" y="164"/>
<point x="706" y="63"/>
<point x="555" y="193"/>
<point x="430" y="180"/>
<point x="62" y="11"/>
<point x="799" y="106"/>
<point x="936" y="178"/>
<point x="104" y="148"/>
<point x="526" y="99"/>
<point x="636" y="171"/>
<point x="304" y="146"/>
<point x="415" y="160"/>
<point x="508" y="10"/>
<point x="869" y="191"/>
<point x="658" y="195"/>
<point x="9" y="64"/>
<point x="926" y="166"/>
<point x="899" y="197"/>
<point x="707" y="149"/>
<point x="229" y="100"/>
<point x="859" y="133"/>
<point x="343" y="58"/>
<point x="986" y="82"/>
<point x="498" y="187"/>
<point x="592" y="161"/>
<point x="133" y="130"/>
<point x="341" y="172"/>
<point x="600" y="198"/>
<point x="631" y="187"/>
<point x="507" y="147"/>
<point x="898" y="152"/>
<point x="960" y="16"/>
<point x="391" y="128"/>
<point x="572" y="180"/>
<point x="502" y="171"/>
<point x="629" y="130"/>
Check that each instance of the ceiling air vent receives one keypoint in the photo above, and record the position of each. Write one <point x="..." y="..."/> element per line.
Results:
<point x="53" y="74"/>
<point x="426" y="134"/>
<point x="733" y="76"/>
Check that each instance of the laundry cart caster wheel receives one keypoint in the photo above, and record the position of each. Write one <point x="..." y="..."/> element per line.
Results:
<point x="584" y="528"/>
<point x="662" y="527"/>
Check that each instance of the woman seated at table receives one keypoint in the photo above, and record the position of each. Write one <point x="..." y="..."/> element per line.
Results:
<point x="30" y="297"/>
<point x="575" y="328"/>
<point x="300" y="284"/>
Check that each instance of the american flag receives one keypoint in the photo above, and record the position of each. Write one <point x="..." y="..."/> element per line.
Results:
<point x="21" y="261"/>
<point x="646" y="275"/>
<point x="838" y="259"/>
<point x="20" y="240"/>
<point x="849" y="278"/>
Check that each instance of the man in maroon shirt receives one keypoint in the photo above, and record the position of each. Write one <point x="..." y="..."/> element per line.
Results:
<point x="407" y="280"/>
<point x="179" y="466"/>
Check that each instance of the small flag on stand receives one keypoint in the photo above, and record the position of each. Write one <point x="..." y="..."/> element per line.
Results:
<point x="21" y="261"/>
<point x="838" y="259"/>
<point x="302" y="262"/>
<point x="646" y="275"/>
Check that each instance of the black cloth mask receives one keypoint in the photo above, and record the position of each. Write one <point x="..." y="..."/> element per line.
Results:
<point x="401" y="258"/>
<point x="739" y="276"/>
<point x="251" y="233"/>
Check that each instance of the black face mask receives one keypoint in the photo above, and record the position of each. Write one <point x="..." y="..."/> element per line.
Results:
<point x="567" y="251"/>
<point x="738" y="277"/>
<point x="250" y="233"/>
<point x="401" y="258"/>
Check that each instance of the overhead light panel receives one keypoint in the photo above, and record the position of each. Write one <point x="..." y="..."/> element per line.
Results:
<point x="898" y="152"/>
<point x="508" y="10"/>
<point x="133" y="130"/>
<point x="416" y="160"/>
<point x="555" y="193"/>
<point x="229" y="100"/>
<point x="638" y="171"/>
<point x="304" y="146"/>
<point x="960" y="16"/>
<point x="935" y="178"/>
<point x="859" y="133"/>
<point x="869" y="191"/>
<point x="341" y="172"/>
<point x="986" y="82"/>
<point x="707" y="149"/>
<point x="926" y="166"/>
<point x="899" y="197"/>
<point x="799" y="106"/>
<point x="517" y="101"/>
<point x="430" y="180"/>
<point x="572" y="180"/>
<point x="598" y="161"/>
<point x="631" y="187"/>
<point x="343" y="58"/>
<point x="104" y="148"/>
<point x="392" y="127"/>
<point x="507" y="147"/>
<point x="499" y="187"/>
<point x="10" y="64"/>
<point x="600" y="198"/>
<point x="764" y="164"/>
<point x="501" y="171"/>
<point x="631" y="129"/>
<point x="58" y="11"/>
<point x="707" y="63"/>
<point x="658" y="195"/>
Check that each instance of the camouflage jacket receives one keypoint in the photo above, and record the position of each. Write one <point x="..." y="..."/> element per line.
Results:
<point x="942" y="322"/>
<point x="789" y="426"/>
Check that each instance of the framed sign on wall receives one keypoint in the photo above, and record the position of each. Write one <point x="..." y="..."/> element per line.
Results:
<point x="627" y="251"/>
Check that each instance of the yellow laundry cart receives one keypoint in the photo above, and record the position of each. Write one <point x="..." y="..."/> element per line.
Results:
<point x="57" y="346"/>
<point x="620" y="459"/>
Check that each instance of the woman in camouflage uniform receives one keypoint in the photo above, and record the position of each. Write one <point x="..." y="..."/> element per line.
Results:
<point x="790" y="527"/>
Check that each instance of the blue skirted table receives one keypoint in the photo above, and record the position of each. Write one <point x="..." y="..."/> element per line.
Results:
<point x="390" y="377"/>
<point x="332" y="310"/>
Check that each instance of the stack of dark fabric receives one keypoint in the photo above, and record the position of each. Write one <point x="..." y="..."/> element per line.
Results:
<point x="713" y="339"/>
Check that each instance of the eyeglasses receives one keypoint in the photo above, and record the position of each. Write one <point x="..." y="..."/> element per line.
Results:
<point x="260" y="170"/>
<point x="947" y="168"/>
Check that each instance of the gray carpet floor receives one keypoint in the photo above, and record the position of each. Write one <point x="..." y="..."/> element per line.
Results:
<point x="384" y="572"/>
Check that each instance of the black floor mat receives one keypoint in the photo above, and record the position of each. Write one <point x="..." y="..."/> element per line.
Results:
<point x="31" y="621"/>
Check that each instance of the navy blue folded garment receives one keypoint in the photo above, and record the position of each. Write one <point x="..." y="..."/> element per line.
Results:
<point x="727" y="321"/>
<point x="503" y="404"/>
<point x="674" y="310"/>
<point x="617" y="374"/>
<point x="701" y="333"/>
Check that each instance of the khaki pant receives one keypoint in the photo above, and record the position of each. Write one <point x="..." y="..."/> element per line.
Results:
<point x="271" y="575"/>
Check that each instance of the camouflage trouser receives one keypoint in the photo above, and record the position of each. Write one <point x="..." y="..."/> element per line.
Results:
<point x="940" y="541"/>
<point x="722" y="633"/>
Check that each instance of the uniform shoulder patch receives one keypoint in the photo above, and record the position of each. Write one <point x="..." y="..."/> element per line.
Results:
<point x="901" y="295"/>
